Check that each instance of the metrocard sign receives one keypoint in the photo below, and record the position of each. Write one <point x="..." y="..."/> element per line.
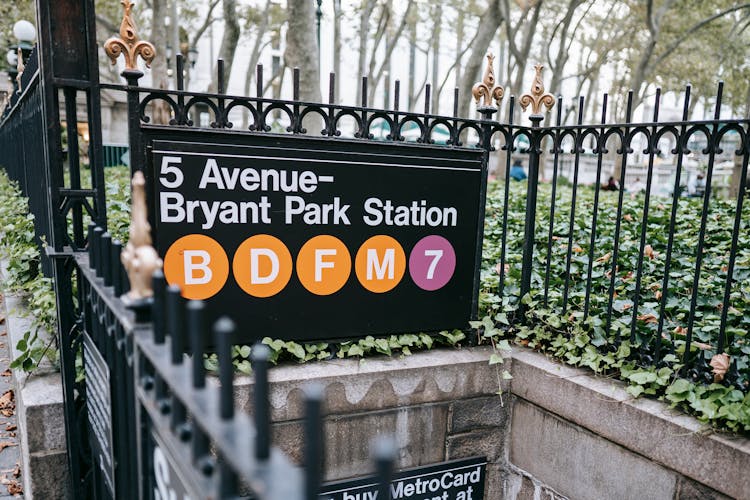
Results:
<point x="295" y="241"/>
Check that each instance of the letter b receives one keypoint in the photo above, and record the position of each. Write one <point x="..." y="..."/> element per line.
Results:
<point x="192" y="264"/>
<point x="198" y="264"/>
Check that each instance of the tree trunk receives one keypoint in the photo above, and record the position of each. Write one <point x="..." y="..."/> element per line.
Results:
<point x="302" y="48"/>
<point x="520" y="51"/>
<point x="160" y="111"/>
<point x="364" y="32"/>
<point x="255" y="57"/>
<point x="391" y="38"/>
<point x="412" y="63"/>
<point x="174" y="37"/>
<point x="337" y="47"/>
<point x="437" y="19"/>
<point x="228" y="41"/>
<point x="459" y="44"/>
<point x="488" y="25"/>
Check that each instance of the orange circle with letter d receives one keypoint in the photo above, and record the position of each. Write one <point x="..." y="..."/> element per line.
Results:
<point x="380" y="263"/>
<point x="323" y="265"/>
<point x="198" y="264"/>
<point x="262" y="265"/>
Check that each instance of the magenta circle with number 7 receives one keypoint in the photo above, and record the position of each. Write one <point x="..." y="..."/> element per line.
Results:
<point x="432" y="262"/>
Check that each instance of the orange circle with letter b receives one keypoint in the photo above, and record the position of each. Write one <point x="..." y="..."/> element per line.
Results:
<point x="198" y="264"/>
<point x="323" y="265"/>
<point x="262" y="265"/>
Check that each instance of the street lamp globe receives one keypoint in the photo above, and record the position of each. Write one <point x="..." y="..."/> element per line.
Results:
<point x="24" y="31"/>
<point x="12" y="58"/>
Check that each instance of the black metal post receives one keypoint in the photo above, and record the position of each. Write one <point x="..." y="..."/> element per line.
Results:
<point x="313" y="441"/>
<point x="384" y="455"/>
<point x="223" y="331"/>
<point x="137" y="158"/>
<point x="486" y="144"/>
<point x="260" y="356"/>
<point x="527" y="260"/>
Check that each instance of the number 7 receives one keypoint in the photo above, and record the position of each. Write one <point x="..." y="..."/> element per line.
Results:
<point x="436" y="256"/>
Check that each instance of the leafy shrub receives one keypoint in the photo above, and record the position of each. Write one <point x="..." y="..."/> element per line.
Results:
<point x="20" y="249"/>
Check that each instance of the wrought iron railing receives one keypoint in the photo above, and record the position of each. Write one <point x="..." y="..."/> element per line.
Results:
<point x="163" y="406"/>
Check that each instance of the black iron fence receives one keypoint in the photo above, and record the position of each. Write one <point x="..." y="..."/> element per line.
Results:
<point x="22" y="124"/>
<point x="154" y="423"/>
<point x="664" y="267"/>
<point x="656" y="260"/>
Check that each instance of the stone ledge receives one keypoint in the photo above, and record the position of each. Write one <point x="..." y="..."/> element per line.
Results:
<point x="39" y="412"/>
<point x="351" y="386"/>
<point x="644" y="426"/>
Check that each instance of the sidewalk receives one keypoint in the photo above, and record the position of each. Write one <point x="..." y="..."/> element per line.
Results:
<point x="10" y="453"/>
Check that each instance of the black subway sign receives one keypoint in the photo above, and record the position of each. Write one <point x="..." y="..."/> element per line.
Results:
<point x="309" y="244"/>
<point x="454" y="480"/>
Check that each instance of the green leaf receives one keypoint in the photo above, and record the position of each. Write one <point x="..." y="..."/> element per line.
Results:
<point x="496" y="359"/>
<point x="643" y="377"/>
<point x="506" y="375"/>
<point x="634" y="390"/>
<point x="355" y="350"/>
<point x="295" y="350"/>
<point x="679" y="389"/>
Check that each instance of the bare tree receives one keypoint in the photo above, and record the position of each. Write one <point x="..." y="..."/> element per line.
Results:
<point x="366" y="8"/>
<point x="229" y="40"/>
<point x="337" y="45"/>
<point x="437" y="23"/>
<point x="302" y="47"/>
<point x="258" y="45"/>
<point x="489" y="22"/>
<point x="160" y="111"/>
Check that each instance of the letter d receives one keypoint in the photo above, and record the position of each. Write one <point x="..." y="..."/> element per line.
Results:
<point x="191" y="266"/>
<point x="255" y="277"/>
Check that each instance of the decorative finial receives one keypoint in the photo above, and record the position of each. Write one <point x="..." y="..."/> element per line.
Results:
<point x="484" y="90"/>
<point x="537" y="97"/>
<point x="129" y="43"/>
<point x="20" y="67"/>
<point x="139" y="257"/>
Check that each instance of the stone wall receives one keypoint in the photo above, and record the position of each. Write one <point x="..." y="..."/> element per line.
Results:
<point x="39" y="412"/>
<point x="40" y="415"/>
<point x="555" y="432"/>
<point x="440" y="405"/>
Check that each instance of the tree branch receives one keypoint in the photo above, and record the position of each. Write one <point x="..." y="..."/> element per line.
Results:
<point x="208" y="21"/>
<point x="695" y="28"/>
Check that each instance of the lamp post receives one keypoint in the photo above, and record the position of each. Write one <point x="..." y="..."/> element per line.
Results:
<point x="189" y="54"/>
<point x="25" y="33"/>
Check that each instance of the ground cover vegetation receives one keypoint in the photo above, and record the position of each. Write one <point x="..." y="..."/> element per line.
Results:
<point x="20" y="250"/>
<point x="563" y="330"/>
<point x="553" y="326"/>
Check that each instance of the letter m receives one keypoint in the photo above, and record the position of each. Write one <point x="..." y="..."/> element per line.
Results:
<point x="375" y="266"/>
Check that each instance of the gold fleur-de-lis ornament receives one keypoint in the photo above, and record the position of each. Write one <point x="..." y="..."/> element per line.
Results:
<point x="128" y="43"/>
<point x="486" y="89"/>
<point x="537" y="97"/>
